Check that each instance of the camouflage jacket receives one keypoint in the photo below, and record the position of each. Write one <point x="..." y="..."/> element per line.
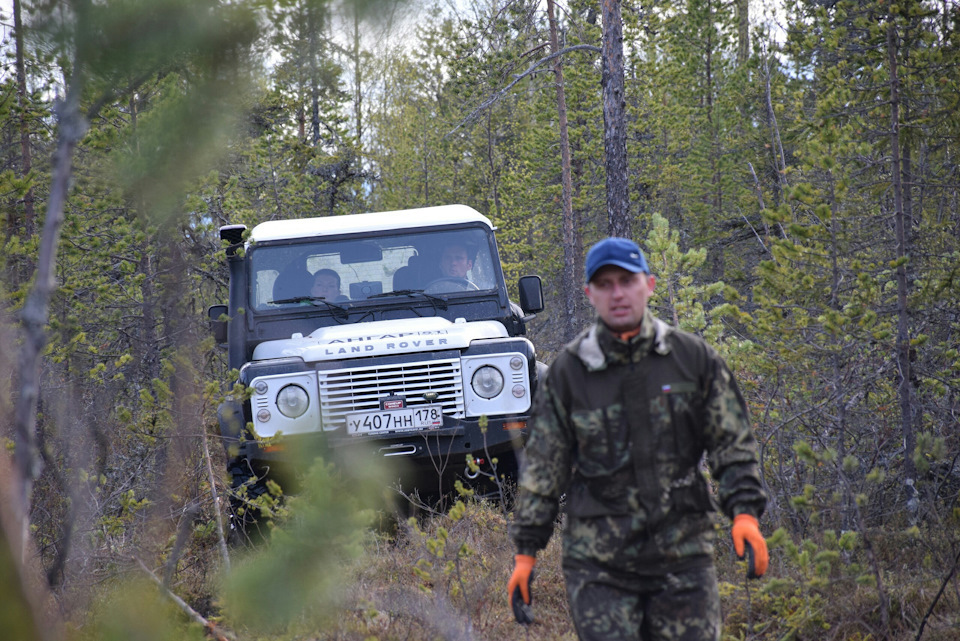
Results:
<point x="620" y="428"/>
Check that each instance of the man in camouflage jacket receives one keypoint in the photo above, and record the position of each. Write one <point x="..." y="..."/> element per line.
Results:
<point x="621" y="423"/>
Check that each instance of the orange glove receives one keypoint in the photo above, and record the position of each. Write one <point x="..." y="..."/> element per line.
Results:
<point x="746" y="533"/>
<point x="518" y="588"/>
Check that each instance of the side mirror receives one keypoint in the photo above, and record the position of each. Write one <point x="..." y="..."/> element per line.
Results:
<point x="218" y="326"/>
<point x="531" y="294"/>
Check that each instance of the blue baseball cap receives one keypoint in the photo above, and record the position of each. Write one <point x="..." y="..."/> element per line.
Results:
<point x="621" y="252"/>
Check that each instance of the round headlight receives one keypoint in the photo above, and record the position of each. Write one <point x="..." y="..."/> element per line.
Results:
<point x="487" y="381"/>
<point x="292" y="401"/>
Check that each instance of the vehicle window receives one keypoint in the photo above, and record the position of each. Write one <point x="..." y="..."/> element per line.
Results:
<point x="448" y="262"/>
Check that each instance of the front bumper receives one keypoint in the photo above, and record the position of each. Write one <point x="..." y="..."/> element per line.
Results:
<point x="417" y="458"/>
<point x="457" y="437"/>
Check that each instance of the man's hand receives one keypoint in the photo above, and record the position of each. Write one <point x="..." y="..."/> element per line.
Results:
<point x="518" y="588"/>
<point x="746" y="534"/>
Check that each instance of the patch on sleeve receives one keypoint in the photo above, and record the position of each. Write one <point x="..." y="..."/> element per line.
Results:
<point x="678" y="388"/>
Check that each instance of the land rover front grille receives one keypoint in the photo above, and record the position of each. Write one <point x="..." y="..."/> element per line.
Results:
<point x="360" y="388"/>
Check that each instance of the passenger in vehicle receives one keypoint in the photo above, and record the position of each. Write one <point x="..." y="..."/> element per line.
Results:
<point x="326" y="285"/>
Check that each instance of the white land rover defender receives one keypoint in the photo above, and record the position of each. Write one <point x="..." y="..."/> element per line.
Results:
<point x="389" y="331"/>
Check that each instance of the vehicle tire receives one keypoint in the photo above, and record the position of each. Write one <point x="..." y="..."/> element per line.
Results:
<point x="247" y="523"/>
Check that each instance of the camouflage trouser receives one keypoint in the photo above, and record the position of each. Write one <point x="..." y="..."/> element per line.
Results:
<point x="680" y="606"/>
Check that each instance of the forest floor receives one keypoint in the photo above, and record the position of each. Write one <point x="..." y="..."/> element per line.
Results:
<point x="443" y="576"/>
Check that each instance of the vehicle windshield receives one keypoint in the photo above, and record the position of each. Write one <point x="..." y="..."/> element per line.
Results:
<point x="343" y="271"/>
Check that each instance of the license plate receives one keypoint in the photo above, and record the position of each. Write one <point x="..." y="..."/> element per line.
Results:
<point x="400" y="420"/>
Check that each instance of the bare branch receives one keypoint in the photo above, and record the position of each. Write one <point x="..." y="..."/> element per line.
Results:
<point x="209" y="626"/>
<point x="218" y="512"/>
<point x="756" y="182"/>
<point x="933" y="604"/>
<point x="35" y="313"/>
<point x="486" y="104"/>
<point x="184" y="530"/>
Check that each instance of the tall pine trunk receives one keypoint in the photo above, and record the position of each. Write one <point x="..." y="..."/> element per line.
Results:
<point x="903" y="312"/>
<point x="619" y="221"/>
<point x="313" y="35"/>
<point x="743" y="32"/>
<point x="568" y="279"/>
<point x="26" y="160"/>
<point x="357" y="57"/>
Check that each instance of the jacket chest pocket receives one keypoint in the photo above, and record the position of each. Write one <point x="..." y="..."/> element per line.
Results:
<point x="602" y="440"/>
<point x="674" y="417"/>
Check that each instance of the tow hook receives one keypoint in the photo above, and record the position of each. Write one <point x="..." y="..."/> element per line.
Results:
<point x="470" y="474"/>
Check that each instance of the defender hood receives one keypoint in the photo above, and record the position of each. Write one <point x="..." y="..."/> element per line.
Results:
<point x="401" y="336"/>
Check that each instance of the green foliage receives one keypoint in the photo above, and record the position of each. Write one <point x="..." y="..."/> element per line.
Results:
<point x="677" y="295"/>
<point x="298" y="572"/>
<point x="441" y="559"/>
<point x="930" y="449"/>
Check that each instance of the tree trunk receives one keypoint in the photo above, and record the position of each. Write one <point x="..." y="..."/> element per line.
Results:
<point x="619" y="221"/>
<point x="312" y="39"/>
<point x="776" y="144"/>
<point x="568" y="280"/>
<point x="743" y="32"/>
<point x="716" y="156"/>
<point x="26" y="161"/>
<point x="903" y="315"/>
<point x="494" y="190"/>
<point x="357" y="76"/>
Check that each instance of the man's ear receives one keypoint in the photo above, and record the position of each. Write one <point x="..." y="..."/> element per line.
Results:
<point x="651" y="282"/>
<point x="587" y="293"/>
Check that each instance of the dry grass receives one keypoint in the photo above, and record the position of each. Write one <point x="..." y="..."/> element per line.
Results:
<point x="389" y="601"/>
<point x="455" y="595"/>
<point x="443" y="577"/>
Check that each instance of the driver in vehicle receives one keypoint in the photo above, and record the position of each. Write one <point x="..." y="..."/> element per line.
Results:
<point x="455" y="261"/>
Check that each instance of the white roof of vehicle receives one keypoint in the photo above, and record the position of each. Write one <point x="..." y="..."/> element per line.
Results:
<point x="380" y="221"/>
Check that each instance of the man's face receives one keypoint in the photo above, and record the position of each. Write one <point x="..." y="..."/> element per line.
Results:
<point x="455" y="261"/>
<point x="620" y="296"/>
<point x="325" y="286"/>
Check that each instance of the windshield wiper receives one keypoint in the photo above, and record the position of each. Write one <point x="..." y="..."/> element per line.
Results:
<point x="413" y="293"/>
<point x="313" y="300"/>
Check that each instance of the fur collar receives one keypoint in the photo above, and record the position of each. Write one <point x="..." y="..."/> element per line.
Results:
<point x="589" y="345"/>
